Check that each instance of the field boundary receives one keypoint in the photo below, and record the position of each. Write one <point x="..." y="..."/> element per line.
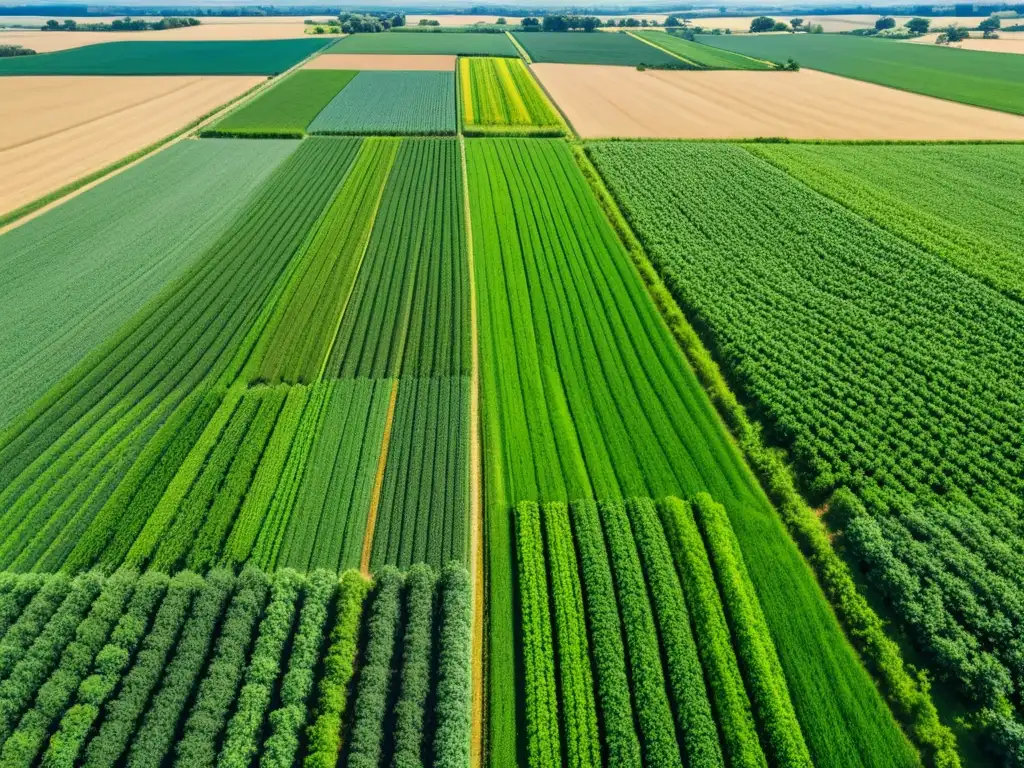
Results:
<point x="476" y="574"/>
<point x="29" y="211"/>
<point x="907" y="696"/>
<point x="665" y="51"/>
<point x="570" y="130"/>
<point x="378" y="484"/>
<point x="522" y="51"/>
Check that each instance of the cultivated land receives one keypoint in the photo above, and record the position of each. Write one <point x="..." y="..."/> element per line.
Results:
<point x="256" y="57"/>
<point x="583" y="48"/>
<point x="375" y="61"/>
<point x="501" y="96"/>
<point x="286" y="109"/>
<point x="1007" y="42"/>
<point x="972" y="77"/>
<point x="703" y="56"/>
<point x="451" y="44"/>
<point x="606" y="102"/>
<point x="40" y="155"/>
<point x="391" y="103"/>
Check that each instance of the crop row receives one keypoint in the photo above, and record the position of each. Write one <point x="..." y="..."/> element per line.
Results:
<point x="883" y="368"/>
<point x="424" y="503"/>
<point x="391" y="103"/>
<point x="703" y="56"/>
<point x="75" y="463"/>
<point x="584" y="394"/>
<point x="408" y="313"/>
<point x="225" y="670"/>
<point x="501" y="96"/>
<point x="666" y="678"/>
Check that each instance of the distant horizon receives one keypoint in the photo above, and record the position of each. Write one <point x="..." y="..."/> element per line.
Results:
<point x="427" y="8"/>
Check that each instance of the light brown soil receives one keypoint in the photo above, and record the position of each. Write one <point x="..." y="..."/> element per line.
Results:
<point x="378" y="484"/>
<point x="382" y="61"/>
<point x="46" y="42"/>
<point x="605" y="102"/>
<point x="54" y="130"/>
<point x="1007" y="42"/>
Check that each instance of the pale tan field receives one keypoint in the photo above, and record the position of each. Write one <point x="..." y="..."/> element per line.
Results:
<point x="46" y="42"/>
<point x="54" y="130"/>
<point x="1007" y="42"/>
<point x="828" y="23"/>
<point x="376" y="61"/>
<point x="605" y="102"/>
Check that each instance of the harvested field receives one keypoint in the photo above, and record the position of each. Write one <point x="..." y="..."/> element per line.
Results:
<point x="606" y="102"/>
<point x="1007" y="42"/>
<point x="100" y="120"/>
<point x="383" y="62"/>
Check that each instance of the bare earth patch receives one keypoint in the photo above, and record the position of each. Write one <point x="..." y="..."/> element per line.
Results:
<point x="606" y="102"/>
<point x="376" y="61"/>
<point x="1007" y="42"/>
<point x="54" y="130"/>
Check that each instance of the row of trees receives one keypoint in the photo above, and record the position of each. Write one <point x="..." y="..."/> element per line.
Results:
<point x="127" y="24"/>
<point x="370" y="22"/>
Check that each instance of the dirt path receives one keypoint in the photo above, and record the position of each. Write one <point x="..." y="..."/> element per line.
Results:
<point x="378" y="483"/>
<point x="476" y="560"/>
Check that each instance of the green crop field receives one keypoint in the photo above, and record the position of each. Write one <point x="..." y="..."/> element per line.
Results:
<point x="585" y="395"/>
<point x="704" y="56"/>
<point x="286" y="109"/>
<point x="981" y="78"/>
<point x="76" y="274"/>
<point x="454" y="44"/>
<point x="391" y="103"/>
<point x="500" y="96"/>
<point x="593" y="48"/>
<point x="234" y="57"/>
<point x="225" y="670"/>
<point x="888" y="370"/>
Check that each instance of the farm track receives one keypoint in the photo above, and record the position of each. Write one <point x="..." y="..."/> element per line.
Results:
<point x="378" y="483"/>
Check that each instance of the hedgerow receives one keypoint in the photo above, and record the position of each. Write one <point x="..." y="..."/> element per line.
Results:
<point x="451" y="748"/>
<point x="122" y="713"/>
<point x="714" y="644"/>
<point x="110" y="663"/>
<point x="583" y="745"/>
<point x="613" y="682"/>
<point x="324" y="735"/>
<point x="695" y="723"/>
<point x="540" y="685"/>
<point x="754" y="646"/>
<point x="373" y="687"/>
<point x="197" y="746"/>
<point x="19" y="591"/>
<point x="289" y="718"/>
<point x="155" y="737"/>
<point x="414" y="680"/>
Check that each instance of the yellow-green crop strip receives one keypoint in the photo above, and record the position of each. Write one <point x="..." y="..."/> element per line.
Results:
<point x="500" y="97"/>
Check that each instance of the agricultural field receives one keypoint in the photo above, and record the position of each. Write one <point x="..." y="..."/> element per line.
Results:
<point x="383" y="61"/>
<point x="450" y="44"/>
<point x="500" y="96"/>
<point x="971" y="77"/>
<point x="222" y="57"/>
<point x="391" y="103"/>
<point x="584" y="394"/>
<point x="619" y="102"/>
<point x="56" y="130"/>
<point x="287" y="109"/>
<point x="704" y="56"/>
<point x="284" y="668"/>
<point x="596" y="48"/>
<point x="900" y="404"/>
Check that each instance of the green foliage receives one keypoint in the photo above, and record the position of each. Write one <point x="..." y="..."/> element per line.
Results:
<point x="981" y="78"/>
<point x="324" y="734"/>
<point x="373" y="687"/>
<point x="392" y="103"/>
<point x="287" y="108"/>
<point x="31" y="622"/>
<point x="441" y="42"/>
<point x="414" y="682"/>
<point x="453" y="695"/>
<point x="694" y="720"/>
<point x="540" y="686"/>
<point x="704" y="56"/>
<point x="581" y="48"/>
<point x="236" y="57"/>
<point x="780" y="730"/>
<point x="500" y="95"/>
<point x="18" y="592"/>
<point x="218" y="690"/>
<point x="609" y="655"/>
<point x="583" y="746"/>
<point x="288" y="719"/>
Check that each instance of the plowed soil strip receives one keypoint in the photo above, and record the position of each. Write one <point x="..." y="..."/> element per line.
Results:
<point x="378" y="483"/>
